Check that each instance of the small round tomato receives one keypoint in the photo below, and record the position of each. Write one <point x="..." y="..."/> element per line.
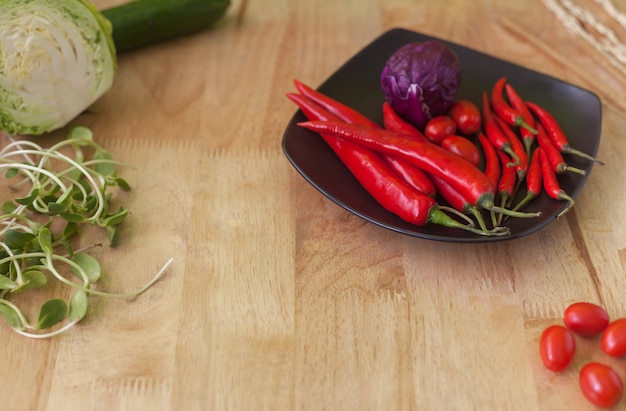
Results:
<point x="586" y="319"/>
<point x="613" y="340"/>
<point x="462" y="147"/>
<point x="557" y="347"/>
<point x="438" y="128"/>
<point x="600" y="384"/>
<point x="466" y="116"/>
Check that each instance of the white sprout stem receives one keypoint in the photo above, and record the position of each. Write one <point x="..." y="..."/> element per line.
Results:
<point x="28" y="169"/>
<point x="59" y="156"/>
<point x="15" y="262"/>
<point x="49" y="334"/>
<point x="50" y="267"/>
<point x="93" y="183"/>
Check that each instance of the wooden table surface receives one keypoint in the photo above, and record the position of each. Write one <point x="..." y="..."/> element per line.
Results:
<point x="278" y="299"/>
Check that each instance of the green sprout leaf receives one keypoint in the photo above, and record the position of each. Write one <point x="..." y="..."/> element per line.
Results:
<point x="72" y="218"/>
<point x="8" y="207"/>
<point x="6" y="283"/>
<point x="52" y="311"/>
<point x="29" y="198"/>
<point x="56" y="208"/>
<point x="78" y="305"/>
<point x="45" y="240"/>
<point x="11" y="172"/>
<point x="113" y="235"/>
<point x="17" y="239"/>
<point x="106" y="168"/>
<point x="80" y="133"/>
<point x="89" y="264"/>
<point x="31" y="279"/>
<point x="11" y="317"/>
<point x="120" y="182"/>
<point x="116" y="218"/>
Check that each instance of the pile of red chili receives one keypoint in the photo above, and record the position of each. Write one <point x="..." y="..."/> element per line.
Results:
<point x="598" y="381"/>
<point x="465" y="163"/>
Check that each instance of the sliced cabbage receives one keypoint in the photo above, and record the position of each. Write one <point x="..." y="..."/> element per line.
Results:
<point x="57" y="57"/>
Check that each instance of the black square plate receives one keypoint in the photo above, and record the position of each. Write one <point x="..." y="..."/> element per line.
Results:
<point x="357" y="84"/>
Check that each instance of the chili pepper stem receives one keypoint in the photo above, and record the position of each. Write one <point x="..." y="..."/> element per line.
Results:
<point x="458" y="214"/>
<point x="492" y="207"/>
<point x="494" y="218"/>
<point x="504" y="197"/>
<point x="516" y="161"/>
<point x="563" y="168"/>
<point x="521" y="123"/>
<point x="528" y="146"/>
<point x="479" y="218"/>
<point x="568" y="150"/>
<point x="564" y="196"/>
<point x="439" y="217"/>
<point x="524" y="201"/>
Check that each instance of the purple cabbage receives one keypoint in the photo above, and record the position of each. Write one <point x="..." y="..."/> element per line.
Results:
<point x="421" y="80"/>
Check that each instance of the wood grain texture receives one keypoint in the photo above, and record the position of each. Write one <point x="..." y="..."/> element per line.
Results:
<point x="278" y="299"/>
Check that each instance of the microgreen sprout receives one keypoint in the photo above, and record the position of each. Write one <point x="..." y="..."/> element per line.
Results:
<point x="61" y="191"/>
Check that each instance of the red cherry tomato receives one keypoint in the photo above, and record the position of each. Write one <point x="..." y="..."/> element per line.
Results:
<point x="462" y="147"/>
<point x="614" y="338"/>
<point x="586" y="319"/>
<point x="438" y="128"/>
<point x="557" y="347"/>
<point x="466" y="116"/>
<point x="600" y="384"/>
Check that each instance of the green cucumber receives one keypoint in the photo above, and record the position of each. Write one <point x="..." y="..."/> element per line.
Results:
<point x="143" y="22"/>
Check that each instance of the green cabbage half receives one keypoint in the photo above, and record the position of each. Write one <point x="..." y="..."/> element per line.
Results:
<point x="56" y="58"/>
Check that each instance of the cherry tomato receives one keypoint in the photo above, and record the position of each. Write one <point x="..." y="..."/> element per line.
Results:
<point x="614" y="338"/>
<point x="600" y="384"/>
<point x="557" y="347"/>
<point x="462" y="147"/>
<point x="586" y="319"/>
<point x="466" y="116"/>
<point x="438" y="128"/>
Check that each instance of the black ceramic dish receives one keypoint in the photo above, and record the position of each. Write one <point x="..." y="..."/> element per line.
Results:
<point x="357" y="84"/>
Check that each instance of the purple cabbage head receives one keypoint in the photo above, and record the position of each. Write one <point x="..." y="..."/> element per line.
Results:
<point x="421" y="80"/>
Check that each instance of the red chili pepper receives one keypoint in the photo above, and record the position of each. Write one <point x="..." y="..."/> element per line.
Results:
<point x="533" y="180"/>
<point x="555" y="132"/>
<point x="506" y="185"/>
<point x="551" y="184"/>
<point x="494" y="134"/>
<point x="383" y="184"/>
<point x="517" y="147"/>
<point x="459" y="202"/>
<point x="413" y="175"/>
<point x="554" y="155"/>
<point x="503" y="110"/>
<point x="492" y="162"/>
<point x="462" y="175"/>
<point x="528" y="137"/>
<point x="344" y="112"/>
<point x="392" y="121"/>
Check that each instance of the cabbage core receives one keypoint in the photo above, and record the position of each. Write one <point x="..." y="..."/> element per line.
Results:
<point x="56" y="59"/>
